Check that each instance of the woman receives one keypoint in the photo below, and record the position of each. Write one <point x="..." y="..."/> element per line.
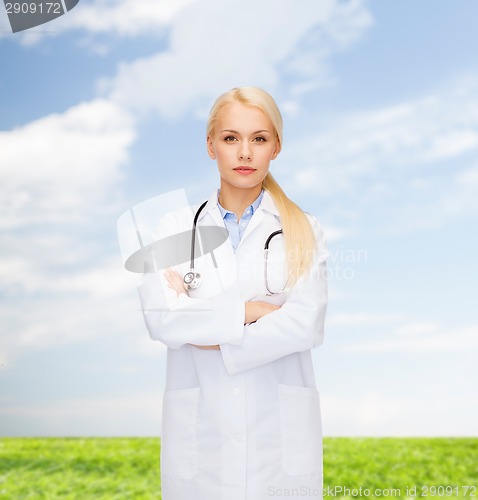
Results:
<point x="241" y="411"/>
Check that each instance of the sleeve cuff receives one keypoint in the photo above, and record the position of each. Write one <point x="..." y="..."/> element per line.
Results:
<point x="228" y="359"/>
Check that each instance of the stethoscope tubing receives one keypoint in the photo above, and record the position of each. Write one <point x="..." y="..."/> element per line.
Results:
<point x="193" y="237"/>
<point x="193" y="276"/>
<point x="266" y="256"/>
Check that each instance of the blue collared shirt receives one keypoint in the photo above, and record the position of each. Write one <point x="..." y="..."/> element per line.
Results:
<point x="236" y="229"/>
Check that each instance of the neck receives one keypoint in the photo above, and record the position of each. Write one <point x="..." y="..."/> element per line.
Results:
<point x="237" y="200"/>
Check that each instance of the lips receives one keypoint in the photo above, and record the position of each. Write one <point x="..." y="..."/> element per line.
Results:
<point x="245" y="170"/>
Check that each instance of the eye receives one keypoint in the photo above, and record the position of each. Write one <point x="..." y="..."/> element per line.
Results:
<point x="229" y="138"/>
<point x="260" y="139"/>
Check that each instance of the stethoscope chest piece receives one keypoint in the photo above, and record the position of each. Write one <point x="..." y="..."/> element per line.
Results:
<point x="192" y="280"/>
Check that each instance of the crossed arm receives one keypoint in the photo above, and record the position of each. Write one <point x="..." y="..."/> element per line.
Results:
<point x="253" y="309"/>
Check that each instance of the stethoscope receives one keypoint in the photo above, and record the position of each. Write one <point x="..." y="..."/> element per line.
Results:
<point x="192" y="279"/>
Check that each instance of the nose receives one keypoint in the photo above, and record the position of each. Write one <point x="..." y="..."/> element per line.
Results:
<point x="245" y="153"/>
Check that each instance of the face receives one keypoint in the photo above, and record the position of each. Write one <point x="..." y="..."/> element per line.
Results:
<point x="243" y="145"/>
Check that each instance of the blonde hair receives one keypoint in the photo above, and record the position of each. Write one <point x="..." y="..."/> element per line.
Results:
<point x="298" y="234"/>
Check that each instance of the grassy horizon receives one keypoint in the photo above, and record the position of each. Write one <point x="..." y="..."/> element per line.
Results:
<point x="128" y="468"/>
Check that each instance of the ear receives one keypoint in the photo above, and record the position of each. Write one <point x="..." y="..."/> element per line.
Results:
<point x="210" y="148"/>
<point x="276" y="151"/>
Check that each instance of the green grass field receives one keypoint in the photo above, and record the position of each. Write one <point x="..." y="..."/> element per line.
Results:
<point x="128" y="468"/>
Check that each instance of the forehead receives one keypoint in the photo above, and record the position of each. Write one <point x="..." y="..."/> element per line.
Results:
<point x="239" y="116"/>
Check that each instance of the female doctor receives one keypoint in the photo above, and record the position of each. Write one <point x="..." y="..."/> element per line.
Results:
<point x="241" y="411"/>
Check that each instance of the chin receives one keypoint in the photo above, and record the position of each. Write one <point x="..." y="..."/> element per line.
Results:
<point x="245" y="185"/>
<point x="245" y="182"/>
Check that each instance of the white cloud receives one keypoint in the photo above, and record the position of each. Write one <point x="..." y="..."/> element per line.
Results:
<point x="136" y="414"/>
<point x="35" y="324"/>
<point x="420" y="338"/>
<point x="216" y="47"/>
<point x="213" y="37"/>
<point x="462" y="197"/>
<point x="412" y="135"/>
<point x="125" y="18"/>
<point x="60" y="181"/>
<point x="373" y="413"/>
<point x="346" y="319"/>
<point x="55" y="168"/>
<point x="398" y="332"/>
<point x="434" y="411"/>
<point x="106" y="279"/>
<point x="418" y="328"/>
<point x="32" y="274"/>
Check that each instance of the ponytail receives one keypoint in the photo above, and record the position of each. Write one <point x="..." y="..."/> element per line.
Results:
<point x="299" y="238"/>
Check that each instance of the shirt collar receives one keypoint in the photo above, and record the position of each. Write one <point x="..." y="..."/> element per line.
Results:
<point x="267" y="204"/>
<point x="253" y="206"/>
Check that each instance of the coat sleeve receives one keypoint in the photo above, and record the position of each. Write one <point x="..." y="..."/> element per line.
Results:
<point x="297" y="326"/>
<point x="176" y="321"/>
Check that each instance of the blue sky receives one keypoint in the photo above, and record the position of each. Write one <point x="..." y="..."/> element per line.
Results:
<point x="106" y="106"/>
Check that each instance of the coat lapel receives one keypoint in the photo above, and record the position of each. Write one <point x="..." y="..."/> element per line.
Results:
<point x="265" y="209"/>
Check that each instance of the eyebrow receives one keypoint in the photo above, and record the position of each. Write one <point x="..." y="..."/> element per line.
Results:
<point x="236" y="132"/>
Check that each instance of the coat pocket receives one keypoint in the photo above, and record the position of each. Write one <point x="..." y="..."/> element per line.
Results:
<point x="301" y="430"/>
<point x="179" y="432"/>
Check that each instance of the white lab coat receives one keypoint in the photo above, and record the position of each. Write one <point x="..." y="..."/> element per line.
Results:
<point x="242" y="422"/>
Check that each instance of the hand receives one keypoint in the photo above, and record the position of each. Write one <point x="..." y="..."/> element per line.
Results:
<point x="207" y="346"/>
<point x="174" y="280"/>
<point x="257" y="309"/>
